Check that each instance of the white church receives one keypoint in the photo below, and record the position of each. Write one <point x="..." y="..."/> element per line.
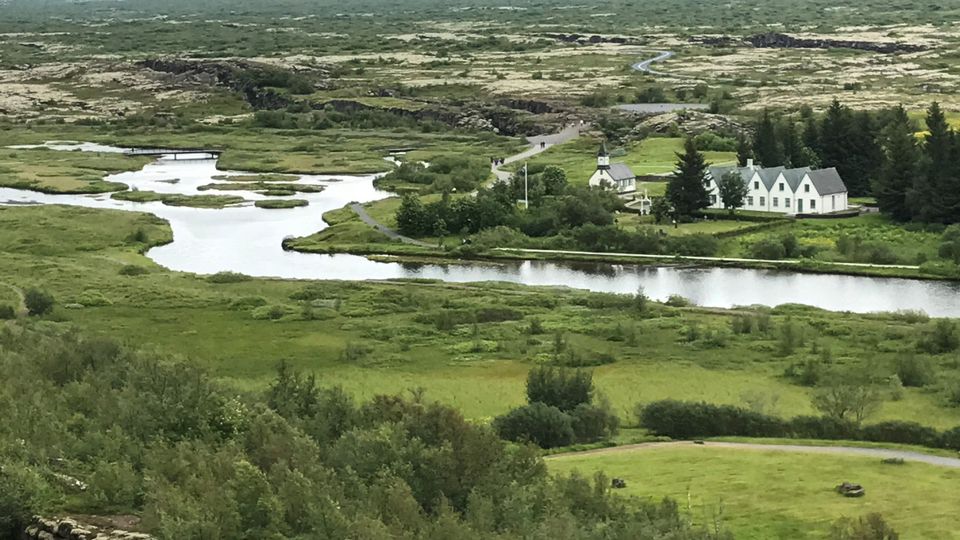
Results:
<point x="617" y="177"/>
<point x="784" y="191"/>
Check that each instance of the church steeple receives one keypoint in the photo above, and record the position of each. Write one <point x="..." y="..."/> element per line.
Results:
<point x="603" y="157"/>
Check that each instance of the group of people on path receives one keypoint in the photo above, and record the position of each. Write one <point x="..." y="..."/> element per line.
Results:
<point x="496" y="162"/>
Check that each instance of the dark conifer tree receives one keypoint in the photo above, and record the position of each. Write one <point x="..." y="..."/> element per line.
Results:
<point x="744" y="150"/>
<point x="900" y="167"/>
<point x="927" y="197"/>
<point x="687" y="190"/>
<point x="766" y="146"/>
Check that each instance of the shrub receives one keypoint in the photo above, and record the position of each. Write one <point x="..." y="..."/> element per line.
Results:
<point x="21" y="497"/>
<point x="247" y="302"/>
<point x="940" y="337"/>
<point x="951" y="439"/>
<point x="871" y="527"/>
<point x="769" y="249"/>
<point x="914" y="371"/>
<point x="93" y="298"/>
<point x="270" y="313"/>
<point x="822" y="427"/>
<point x="559" y="387"/>
<point x="902" y="433"/>
<point x="538" y="423"/>
<point x="38" y="302"/>
<point x="686" y="420"/>
<point x="354" y="351"/>
<point x="675" y="300"/>
<point x="536" y="327"/>
<point x="132" y="270"/>
<point x="7" y="312"/>
<point x="114" y="485"/>
<point x="228" y="277"/>
<point x="594" y="423"/>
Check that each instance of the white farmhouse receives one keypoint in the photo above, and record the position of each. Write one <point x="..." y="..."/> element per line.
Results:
<point x="785" y="191"/>
<point x="617" y="177"/>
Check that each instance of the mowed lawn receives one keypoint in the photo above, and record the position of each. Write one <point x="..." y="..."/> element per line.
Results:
<point x="761" y="494"/>
<point x="655" y="155"/>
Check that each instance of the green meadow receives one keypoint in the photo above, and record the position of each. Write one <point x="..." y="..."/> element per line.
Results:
<point x="760" y="494"/>
<point x="466" y="344"/>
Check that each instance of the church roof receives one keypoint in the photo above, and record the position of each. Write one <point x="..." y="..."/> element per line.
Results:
<point x="620" y="171"/>
<point x="603" y="150"/>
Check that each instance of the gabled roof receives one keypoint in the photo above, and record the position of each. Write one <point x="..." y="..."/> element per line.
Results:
<point x="769" y="176"/>
<point x="719" y="172"/>
<point x="795" y="176"/>
<point x="827" y="181"/>
<point x="620" y="171"/>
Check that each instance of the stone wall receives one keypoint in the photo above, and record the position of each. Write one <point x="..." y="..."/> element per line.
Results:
<point x="69" y="529"/>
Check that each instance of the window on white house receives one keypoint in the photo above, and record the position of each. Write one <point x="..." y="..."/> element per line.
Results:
<point x="749" y="201"/>
<point x="763" y="201"/>
<point x="713" y="199"/>
<point x="806" y="188"/>
<point x="813" y="204"/>
<point x="756" y="185"/>
<point x="781" y="186"/>
<point x="776" y="202"/>
<point x="786" y="203"/>
<point x="833" y="201"/>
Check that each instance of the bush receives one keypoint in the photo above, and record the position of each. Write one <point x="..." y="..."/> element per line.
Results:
<point x="7" y="312"/>
<point x="951" y="439"/>
<point x="901" y="433"/>
<point x="132" y="270"/>
<point x="769" y="249"/>
<point x="38" y="302"/>
<point x="228" y="277"/>
<point x="114" y="485"/>
<point x="271" y="313"/>
<point x="871" y="527"/>
<point x="914" y="371"/>
<point x="594" y="423"/>
<point x="538" y="423"/>
<point x="21" y="497"/>
<point x="687" y="420"/>
<point x="675" y="300"/>
<point x="941" y="337"/>
<point x="247" y="302"/>
<point x="821" y="427"/>
<point x="562" y="388"/>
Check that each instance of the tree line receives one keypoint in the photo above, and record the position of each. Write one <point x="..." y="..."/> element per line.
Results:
<point x="93" y="426"/>
<point x="914" y="175"/>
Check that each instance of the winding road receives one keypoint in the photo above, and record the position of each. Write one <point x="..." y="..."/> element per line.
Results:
<point x="879" y="453"/>
<point x="644" y="66"/>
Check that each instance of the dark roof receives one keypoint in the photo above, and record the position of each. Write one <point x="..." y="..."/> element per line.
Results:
<point x="769" y="176"/>
<point x="795" y="176"/>
<point x="719" y="172"/>
<point x="620" y="171"/>
<point x="827" y="181"/>
<point x="603" y="150"/>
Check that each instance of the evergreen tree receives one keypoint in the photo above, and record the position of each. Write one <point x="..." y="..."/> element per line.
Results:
<point x="687" y="190"/>
<point x="835" y="134"/>
<point x="790" y="143"/>
<point x="811" y="135"/>
<point x="413" y="218"/>
<point x="900" y="167"/>
<point x="927" y="199"/>
<point x="766" y="147"/>
<point x="864" y="157"/>
<point x="744" y="150"/>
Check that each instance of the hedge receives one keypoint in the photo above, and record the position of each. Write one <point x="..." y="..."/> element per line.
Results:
<point x="688" y="420"/>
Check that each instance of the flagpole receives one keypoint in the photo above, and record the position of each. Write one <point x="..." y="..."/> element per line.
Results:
<point x="526" y="196"/>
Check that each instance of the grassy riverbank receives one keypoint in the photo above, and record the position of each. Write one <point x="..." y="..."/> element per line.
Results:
<point x="51" y="171"/>
<point x="467" y="344"/>
<point x="348" y="234"/>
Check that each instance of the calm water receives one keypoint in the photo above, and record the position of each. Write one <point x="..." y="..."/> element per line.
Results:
<point x="247" y="239"/>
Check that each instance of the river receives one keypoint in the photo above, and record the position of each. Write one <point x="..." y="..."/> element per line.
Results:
<point x="248" y="240"/>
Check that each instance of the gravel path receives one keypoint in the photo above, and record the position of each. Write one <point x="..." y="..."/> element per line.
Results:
<point x="368" y="219"/>
<point x="879" y="453"/>
<point x="538" y="144"/>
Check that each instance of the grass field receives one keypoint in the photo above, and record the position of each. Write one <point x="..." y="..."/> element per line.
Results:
<point x="78" y="255"/>
<point x="652" y="156"/>
<point x="765" y="494"/>
<point x="52" y="171"/>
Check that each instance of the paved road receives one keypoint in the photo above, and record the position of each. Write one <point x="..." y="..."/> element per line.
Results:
<point x="569" y="133"/>
<point x="879" y="453"/>
<point x="368" y="219"/>
<point x="644" y="66"/>
<point x="701" y="259"/>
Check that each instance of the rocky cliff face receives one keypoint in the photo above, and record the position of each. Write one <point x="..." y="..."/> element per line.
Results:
<point x="776" y="40"/>
<point x="69" y="529"/>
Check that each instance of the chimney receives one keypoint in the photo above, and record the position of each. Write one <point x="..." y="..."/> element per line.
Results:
<point x="750" y="163"/>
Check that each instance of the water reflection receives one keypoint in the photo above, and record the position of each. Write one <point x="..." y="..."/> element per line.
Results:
<point x="248" y="239"/>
